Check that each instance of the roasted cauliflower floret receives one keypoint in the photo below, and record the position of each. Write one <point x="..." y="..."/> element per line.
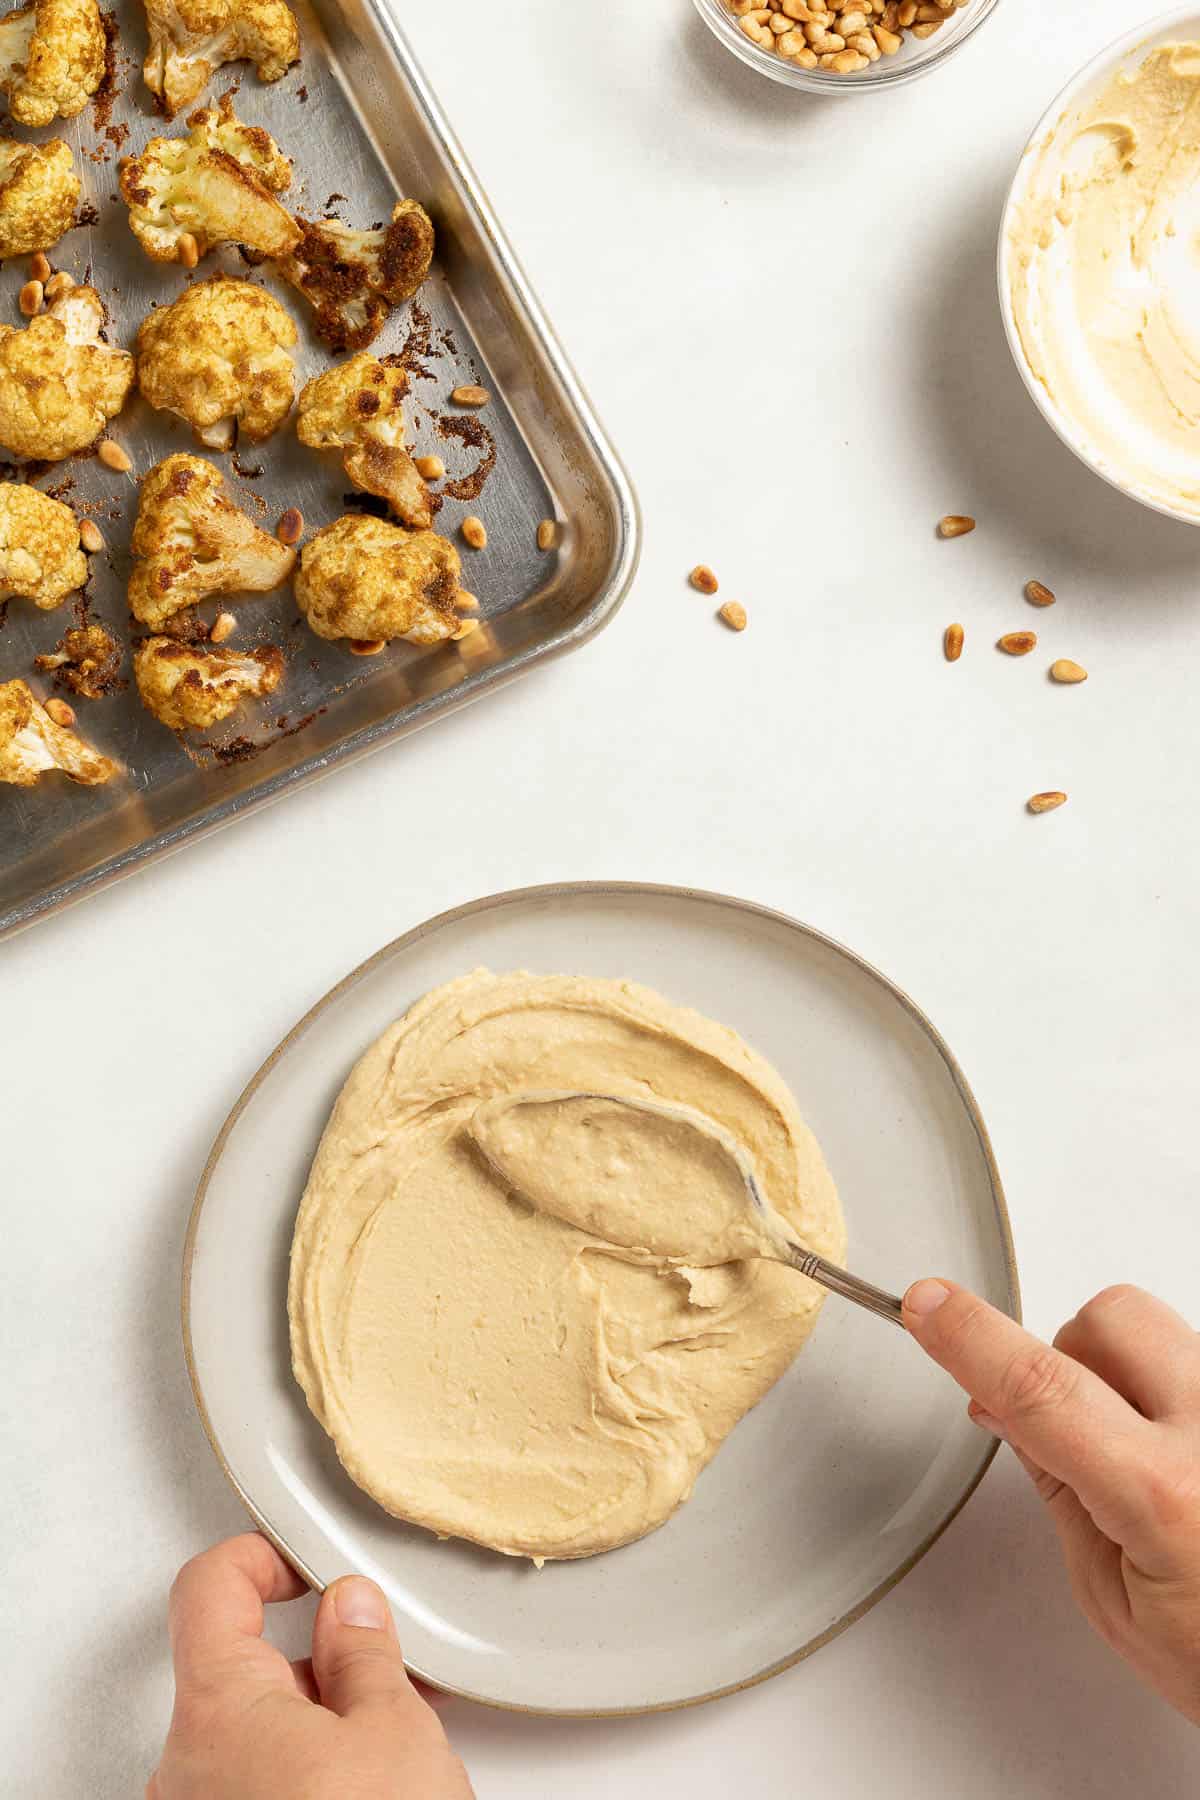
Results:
<point x="356" y="407"/>
<point x="52" y="56"/>
<point x="191" y="687"/>
<point x="189" y="39"/>
<point x="40" y="557"/>
<point x="218" y="356"/>
<point x="39" y="190"/>
<point x="87" y="660"/>
<point x="354" y="278"/>
<point x="31" y="744"/>
<point x="217" y="185"/>
<point x="191" y="541"/>
<point x="59" y="383"/>
<point x="363" y="578"/>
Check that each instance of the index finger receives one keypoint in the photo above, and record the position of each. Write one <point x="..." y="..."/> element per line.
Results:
<point x="1053" y="1409"/>
<point x="217" y="1606"/>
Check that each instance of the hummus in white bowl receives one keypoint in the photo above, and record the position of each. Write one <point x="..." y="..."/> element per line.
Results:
<point x="1100" y="266"/>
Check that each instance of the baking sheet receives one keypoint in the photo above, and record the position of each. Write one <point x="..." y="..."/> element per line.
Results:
<point x="361" y="126"/>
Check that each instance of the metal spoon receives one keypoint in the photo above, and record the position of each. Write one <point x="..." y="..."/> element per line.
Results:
<point x="753" y="1227"/>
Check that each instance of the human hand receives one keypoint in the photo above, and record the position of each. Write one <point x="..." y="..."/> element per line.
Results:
<point x="249" y="1725"/>
<point x="1107" y="1423"/>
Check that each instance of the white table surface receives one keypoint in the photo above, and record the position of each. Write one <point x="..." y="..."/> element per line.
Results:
<point x="785" y="312"/>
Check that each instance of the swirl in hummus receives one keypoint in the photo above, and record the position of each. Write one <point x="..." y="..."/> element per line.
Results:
<point x="1104" y="270"/>
<point x="486" y="1368"/>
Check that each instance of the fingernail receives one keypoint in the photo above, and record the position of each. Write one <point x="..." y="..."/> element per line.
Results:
<point x="986" y="1422"/>
<point x="924" y="1297"/>
<point x="358" y="1601"/>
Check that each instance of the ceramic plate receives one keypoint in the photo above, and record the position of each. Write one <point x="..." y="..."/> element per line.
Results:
<point x="822" y="1497"/>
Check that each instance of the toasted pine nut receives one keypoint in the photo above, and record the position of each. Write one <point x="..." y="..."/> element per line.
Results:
<point x="113" y="457"/>
<point x="189" y="250"/>
<point x="843" y="36"/>
<point x="952" y="642"/>
<point x="464" y="630"/>
<point x="470" y="396"/>
<point x="547" y="531"/>
<point x="1017" y="643"/>
<point x="1038" y="594"/>
<point x="366" y="646"/>
<point x="1047" y="802"/>
<point x="89" y="537"/>
<point x="465" y="602"/>
<point x="30" y="298"/>
<point x="60" y="712"/>
<point x="474" y="531"/>
<point x="955" y="525"/>
<point x="39" y="267"/>
<point x="1067" y="671"/>
<point x="223" y="626"/>
<point x="58" y="285"/>
<point x="734" y="615"/>
<point x="429" y="468"/>
<point x="703" y="579"/>
<point x="290" y="528"/>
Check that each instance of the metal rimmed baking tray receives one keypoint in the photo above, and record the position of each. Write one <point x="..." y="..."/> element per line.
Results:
<point x="362" y="126"/>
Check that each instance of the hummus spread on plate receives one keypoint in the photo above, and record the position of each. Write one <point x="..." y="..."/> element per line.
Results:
<point x="492" y="1371"/>
<point x="1104" y="259"/>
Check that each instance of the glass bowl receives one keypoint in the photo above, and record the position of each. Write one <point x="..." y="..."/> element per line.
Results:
<point x="917" y="56"/>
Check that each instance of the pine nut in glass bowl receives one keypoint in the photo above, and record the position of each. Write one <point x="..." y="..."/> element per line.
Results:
<point x="1098" y="276"/>
<point x="880" y="51"/>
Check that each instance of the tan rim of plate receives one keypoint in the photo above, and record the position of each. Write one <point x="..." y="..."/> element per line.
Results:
<point x="571" y="890"/>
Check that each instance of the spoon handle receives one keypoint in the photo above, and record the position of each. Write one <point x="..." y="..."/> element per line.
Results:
<point x="840" y="1281"/>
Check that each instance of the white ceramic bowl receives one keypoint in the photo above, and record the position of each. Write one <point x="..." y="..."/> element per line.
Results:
<point x="1095" y="75"/>
<point x="918" y="57"/>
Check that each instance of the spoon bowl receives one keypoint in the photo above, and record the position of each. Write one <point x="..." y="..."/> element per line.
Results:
<point x="740" y="1224"/>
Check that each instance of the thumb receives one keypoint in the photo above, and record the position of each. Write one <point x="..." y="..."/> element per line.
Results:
<point x="356" y="1654"/>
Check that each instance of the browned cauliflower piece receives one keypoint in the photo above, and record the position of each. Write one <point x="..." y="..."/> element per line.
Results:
<point x="86" y="660"/>
<point x="40" y="557"/>
<point x="39" y="190"/>
<point x="363" y="578"/>
<point x="31" y="744"/>
<point x="191" y="541"/>
<point x="218" y="356"/>
<point x="355" y="407"/>
<point x="190" y="39"/>
<point x="354" y="278"/>
<point x="52" y="56"/>
<point x="217" y="185"/>
<point x="59" y="383"/>
<point x="188" y="686"/>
